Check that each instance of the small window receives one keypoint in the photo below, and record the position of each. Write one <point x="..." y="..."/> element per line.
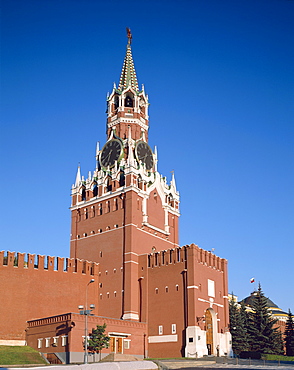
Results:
<point x="95" y="190"/>
<point x="166" y="289"/>
<point x="114" y="294"/>
<point x="160" y="329"/>
<point x="178" y="255"/>
<point x="177" y="287"/>
<point x="55" y="341"/>
<point x="191" y="340"/>
<point x="115" y="205"/>
<point x="156" y="290"/>
<point x="127" y="344"/>
<point x="116" y="102"/>
<point x="64" y="340"/>
<point x="40" y="340"/>
<point x="211" y="288"/>
<point x="47" y="342"/>
<point x="174" y="328"/>
<point x="100" y="295"/>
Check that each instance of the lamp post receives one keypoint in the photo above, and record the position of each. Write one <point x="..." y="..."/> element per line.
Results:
<point x="84" y="311"/>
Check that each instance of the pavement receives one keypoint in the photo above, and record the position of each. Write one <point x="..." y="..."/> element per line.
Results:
<point x="123" y="365"/>
<point x="222" y="364"/>
<point x="168" y="365"/>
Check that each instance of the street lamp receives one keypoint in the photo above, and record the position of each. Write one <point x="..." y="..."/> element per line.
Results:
<point x="84" y="311"/>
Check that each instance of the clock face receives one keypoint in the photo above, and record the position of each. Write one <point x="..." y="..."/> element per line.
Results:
<point x="144" y="154"/>
<point x="110" y="153"/>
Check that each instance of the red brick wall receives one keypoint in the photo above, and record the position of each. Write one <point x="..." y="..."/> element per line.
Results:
<point x="30" y="290"/>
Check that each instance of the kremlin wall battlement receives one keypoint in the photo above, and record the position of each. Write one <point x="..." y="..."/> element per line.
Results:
<point x="179" y="254"/>
<point x="34" y="286"/>
<point x="48" y="263"/>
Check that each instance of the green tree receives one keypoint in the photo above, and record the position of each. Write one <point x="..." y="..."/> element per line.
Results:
<point x="289" y="335"/>
<point x="238" y="319"/>
<point x="98" y="340"/>
<point x="263" y="337"/>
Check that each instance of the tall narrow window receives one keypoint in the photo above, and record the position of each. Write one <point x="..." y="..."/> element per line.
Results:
<point x="174" y="328"/>
<point x="211" y="288"/>
<point x="95" y="190"/>
<point x="116" y="102"/>
<point x="83" y="194"/>
<point x="115" y="205"/>
<point x="121" y="179"/>
<point x="160" y="329"/>
<point x="178" y="255"/>
<point x="64" y="340"/>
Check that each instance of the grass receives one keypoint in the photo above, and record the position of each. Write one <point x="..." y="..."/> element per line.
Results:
<point x="20" y="355"/>
<point x="277" y="358"/>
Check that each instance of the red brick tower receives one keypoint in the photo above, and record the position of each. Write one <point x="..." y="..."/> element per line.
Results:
<point x="125" y="208"/>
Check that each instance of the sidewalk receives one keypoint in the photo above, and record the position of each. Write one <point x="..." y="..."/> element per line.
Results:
<point x="123" y="365"/>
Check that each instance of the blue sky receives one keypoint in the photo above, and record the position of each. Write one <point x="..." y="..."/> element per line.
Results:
<point x="219" y="75"/>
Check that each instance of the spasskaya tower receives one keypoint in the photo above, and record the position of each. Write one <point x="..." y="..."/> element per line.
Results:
<point x="124" y="208"/>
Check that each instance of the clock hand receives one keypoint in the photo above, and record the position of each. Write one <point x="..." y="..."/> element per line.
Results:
<point x="109" y="154"/>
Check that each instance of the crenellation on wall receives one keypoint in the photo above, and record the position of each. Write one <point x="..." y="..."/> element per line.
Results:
<point x="179" y="254"/>
<point x="48" y="263"/>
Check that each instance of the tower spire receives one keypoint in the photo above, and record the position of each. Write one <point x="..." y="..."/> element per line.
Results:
<point x="128" y="74"/>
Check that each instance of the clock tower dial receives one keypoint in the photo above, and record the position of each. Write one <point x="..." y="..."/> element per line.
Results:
<point x="110" y="153"/>
<point x="144" y="154"/>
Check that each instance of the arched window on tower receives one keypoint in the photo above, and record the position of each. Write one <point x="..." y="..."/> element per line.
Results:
<point x="115" y="204"/>
<point x="95" y="190"/>
<point x="129" y="102"/>
<point x="116" y="102"/>
<point x="83" y="194"/>
<point x="121" y="178"/>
